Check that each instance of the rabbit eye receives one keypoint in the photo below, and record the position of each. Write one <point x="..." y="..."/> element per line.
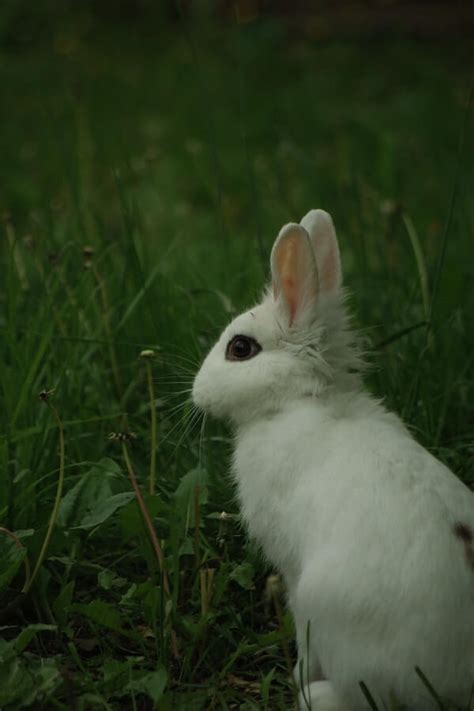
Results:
<point x="242" y="348"/>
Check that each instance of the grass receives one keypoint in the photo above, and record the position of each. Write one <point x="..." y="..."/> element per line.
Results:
<point x="144" y="176"/>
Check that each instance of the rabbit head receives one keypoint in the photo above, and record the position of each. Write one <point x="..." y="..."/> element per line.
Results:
<point x="295" y="343"/>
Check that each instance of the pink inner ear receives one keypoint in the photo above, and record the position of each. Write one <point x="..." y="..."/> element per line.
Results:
<point x="287" y="263"/>
<point x="294" y="271"/>
<point x="291" y="297"/>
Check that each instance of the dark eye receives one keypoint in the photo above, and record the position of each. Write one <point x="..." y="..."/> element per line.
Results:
<point x="242" y="348"/>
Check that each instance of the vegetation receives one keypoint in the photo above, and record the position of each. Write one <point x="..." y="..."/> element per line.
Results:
<point x="144" y="176"/>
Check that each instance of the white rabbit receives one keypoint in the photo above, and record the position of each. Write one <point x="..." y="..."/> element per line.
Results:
<point x="374" y="536"/>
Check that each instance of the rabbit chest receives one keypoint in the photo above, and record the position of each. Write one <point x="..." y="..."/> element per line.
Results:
<point x="277" y="464"/>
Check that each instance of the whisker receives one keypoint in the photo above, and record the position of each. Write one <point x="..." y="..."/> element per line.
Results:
<point x="201" y="439"/>
<point x="175" y="408"/>
<point x="181" y="359"/>
<point x="175" y="348"/>
<point x="177" y="424"/>
<point x="174" y="393"/>
<point x="167" y="381"/>
<point x="189" y="428"/>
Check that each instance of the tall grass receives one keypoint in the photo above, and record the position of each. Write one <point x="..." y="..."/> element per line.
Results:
<point x="142" y="183"/>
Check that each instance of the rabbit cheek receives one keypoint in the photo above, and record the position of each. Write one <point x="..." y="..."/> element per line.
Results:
<point x="466" y="535"/>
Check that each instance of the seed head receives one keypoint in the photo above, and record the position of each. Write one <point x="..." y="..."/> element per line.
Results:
<point x="122" y="436"/>
<point x="273" y="587"/>
<point x="88" y="253"/>
<point x="390" y="208"/>
<point x="148" y="353"/>
<point x="46" y="394"/>
<point x="223" y="521"/>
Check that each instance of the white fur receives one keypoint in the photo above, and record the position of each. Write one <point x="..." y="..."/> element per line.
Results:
<point x="355" y="514"/>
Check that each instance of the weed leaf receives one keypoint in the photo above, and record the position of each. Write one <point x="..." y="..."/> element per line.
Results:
<point x="14" y="647"/>
<point x="102" y="613"/>
<point x="97" y="485"/>
<point x="105" y="509"/>
<point x="11" y="555"/>
<point x="153" y="684"/>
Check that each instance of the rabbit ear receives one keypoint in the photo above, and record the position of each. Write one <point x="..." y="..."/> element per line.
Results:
<point x="294" y="271"/>
<point x="320" y="228"/>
